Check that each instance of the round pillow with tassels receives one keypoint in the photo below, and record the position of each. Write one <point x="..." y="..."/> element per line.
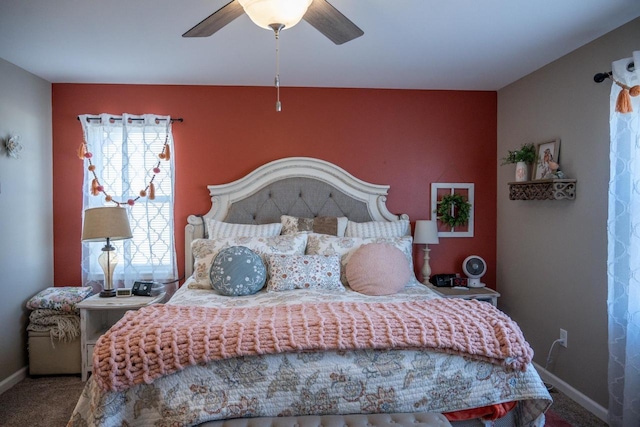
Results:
<point x="378" y="269"/>
<point x="237" y="271"/>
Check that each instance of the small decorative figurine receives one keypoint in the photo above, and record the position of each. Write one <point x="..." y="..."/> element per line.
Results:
<point x="555" y="171"/>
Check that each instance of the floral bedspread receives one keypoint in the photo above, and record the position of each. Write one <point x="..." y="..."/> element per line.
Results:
<point x="335" y="382"/>
<point x="210" y="298"/>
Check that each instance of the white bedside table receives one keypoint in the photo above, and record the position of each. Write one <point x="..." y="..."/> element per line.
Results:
<point x="482" y="294"/>
<point x="97" y="315"/>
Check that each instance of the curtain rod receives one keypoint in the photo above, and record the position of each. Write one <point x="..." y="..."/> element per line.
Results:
<point x="599" y="77"/>
<point x="179" y="119"/>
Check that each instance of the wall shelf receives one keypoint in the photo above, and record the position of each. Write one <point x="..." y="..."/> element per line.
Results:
<point x="543" y="189"/>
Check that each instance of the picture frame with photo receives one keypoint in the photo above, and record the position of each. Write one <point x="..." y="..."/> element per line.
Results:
<point x="547" y="155"/>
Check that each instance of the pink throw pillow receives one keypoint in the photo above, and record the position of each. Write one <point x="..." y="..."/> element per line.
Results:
<point x="378" y="269"/>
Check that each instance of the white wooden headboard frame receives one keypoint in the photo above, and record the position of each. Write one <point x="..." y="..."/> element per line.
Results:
<point x="223" y="196"/>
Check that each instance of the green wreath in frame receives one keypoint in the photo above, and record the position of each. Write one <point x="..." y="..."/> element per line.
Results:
<point x="453" y="210"/>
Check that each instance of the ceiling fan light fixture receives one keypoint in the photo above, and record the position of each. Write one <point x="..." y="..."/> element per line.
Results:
<point x="267" y="12"/>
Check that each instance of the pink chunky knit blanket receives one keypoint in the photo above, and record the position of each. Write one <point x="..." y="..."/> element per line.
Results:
<point x="162" y="339"/>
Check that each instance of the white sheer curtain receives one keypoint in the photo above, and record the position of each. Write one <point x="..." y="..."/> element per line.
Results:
<point x="624" y="253"/>
<point x="125" y="153"/>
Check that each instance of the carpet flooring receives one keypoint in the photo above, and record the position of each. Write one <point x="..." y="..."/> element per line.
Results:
<point x="49" y="401"/>
<point x="566" y="413"/>
<point x="40" y="401"/>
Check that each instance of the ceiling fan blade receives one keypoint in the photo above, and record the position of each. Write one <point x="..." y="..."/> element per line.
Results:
<point x="216" y="20"/>
<point x="330" y="22"/>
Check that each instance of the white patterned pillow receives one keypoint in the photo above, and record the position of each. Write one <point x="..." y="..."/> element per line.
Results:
<point x="322" y="244"/>
<point x="378" y="228"/>
<point x="217" y="229"/>
<point x="205" y="250"/>
<point x="287" y="272"/>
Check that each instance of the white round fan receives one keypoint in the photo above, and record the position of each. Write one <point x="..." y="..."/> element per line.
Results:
<point x="474" y="267"/>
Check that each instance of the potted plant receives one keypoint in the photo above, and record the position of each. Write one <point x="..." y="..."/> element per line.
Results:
<point x="522" y="159"/>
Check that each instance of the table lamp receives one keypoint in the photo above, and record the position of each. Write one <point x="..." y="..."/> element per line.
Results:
<point x="426" y="233"/>
<point x="110" y="223"/>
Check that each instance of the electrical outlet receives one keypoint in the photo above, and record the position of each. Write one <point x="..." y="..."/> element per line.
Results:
<point x="563" y="337"/>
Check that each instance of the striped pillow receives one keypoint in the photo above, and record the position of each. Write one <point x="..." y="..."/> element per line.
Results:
<point x="218" y="229"/>
<point x="377" y="229"/>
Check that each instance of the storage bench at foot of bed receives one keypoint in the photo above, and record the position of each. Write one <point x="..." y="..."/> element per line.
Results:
<point x="53" y="357"/>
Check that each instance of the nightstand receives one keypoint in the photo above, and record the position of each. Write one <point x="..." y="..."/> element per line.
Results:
<point x="97" y="315"/>
<point x="483" y="294"/>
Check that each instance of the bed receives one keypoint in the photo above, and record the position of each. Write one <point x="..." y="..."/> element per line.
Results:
<point x="334" y="337"/>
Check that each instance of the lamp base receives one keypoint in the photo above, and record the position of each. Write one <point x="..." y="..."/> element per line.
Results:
<point x="426" y="268"/>
<point x="107" y="293"/>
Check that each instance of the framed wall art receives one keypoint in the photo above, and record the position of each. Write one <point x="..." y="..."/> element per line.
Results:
<point x="547" y="154"/>
<point x="452" y="204"/>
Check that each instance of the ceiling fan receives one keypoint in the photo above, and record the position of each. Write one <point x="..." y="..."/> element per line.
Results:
<point x="319" y="13"/>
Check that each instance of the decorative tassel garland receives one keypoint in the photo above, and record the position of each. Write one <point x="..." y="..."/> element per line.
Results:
<point x="166" y="153"/>
<point x="623" y="102"/>
<point x="97" y="188"/>
<point x="94" y="187"/>
<point x="82" y="150"/>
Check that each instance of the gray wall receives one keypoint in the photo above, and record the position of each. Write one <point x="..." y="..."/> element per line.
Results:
<point x="26" y="215"/>
<point x="552" y="255"/>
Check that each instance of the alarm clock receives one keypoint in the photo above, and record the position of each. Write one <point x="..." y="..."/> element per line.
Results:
<point x="142" y="289"/>
<point x="460" y="282"/>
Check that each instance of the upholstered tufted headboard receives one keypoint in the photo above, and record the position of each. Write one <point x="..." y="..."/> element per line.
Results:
<point x="301" y="197"/>
<point x="296" y="186"/>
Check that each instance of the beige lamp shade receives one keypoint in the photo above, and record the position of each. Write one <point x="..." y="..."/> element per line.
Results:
<point x="266" y="12"/>
<point x="106" y="222"/>
<point x="426" y="233"/>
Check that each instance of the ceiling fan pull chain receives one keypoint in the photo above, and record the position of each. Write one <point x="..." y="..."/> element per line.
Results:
<point x="277" y="79"/>
<point x="276" y="29"/>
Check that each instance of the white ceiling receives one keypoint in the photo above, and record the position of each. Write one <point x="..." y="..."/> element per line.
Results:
<point x="411" y="44"/>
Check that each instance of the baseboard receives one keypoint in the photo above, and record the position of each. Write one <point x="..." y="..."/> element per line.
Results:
<point x="13" y="379"/>
<point x="582" y="400"/>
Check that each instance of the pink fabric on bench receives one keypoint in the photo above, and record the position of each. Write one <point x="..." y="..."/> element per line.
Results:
<point x="162" y="339"/>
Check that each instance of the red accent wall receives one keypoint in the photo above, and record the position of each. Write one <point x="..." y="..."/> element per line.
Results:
<point x="405" y="138"/>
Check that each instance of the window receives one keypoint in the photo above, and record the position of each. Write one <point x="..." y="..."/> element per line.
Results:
<point x="125" y="153"/>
